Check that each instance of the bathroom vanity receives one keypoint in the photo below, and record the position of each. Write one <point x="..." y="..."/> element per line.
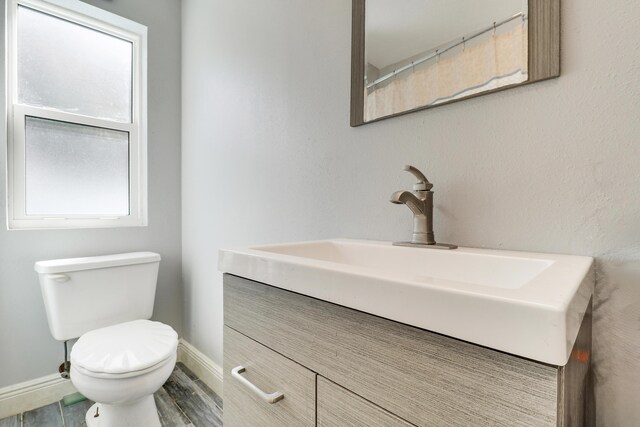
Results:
<point x="324" y="358"/>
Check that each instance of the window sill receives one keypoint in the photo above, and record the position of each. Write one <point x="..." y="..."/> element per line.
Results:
<point x="75" y="223"/>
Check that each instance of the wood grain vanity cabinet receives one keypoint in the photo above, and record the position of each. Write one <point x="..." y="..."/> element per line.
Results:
<point x="341" y="367"/>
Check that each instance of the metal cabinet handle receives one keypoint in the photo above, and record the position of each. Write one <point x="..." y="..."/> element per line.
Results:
<point x="267" y="397"/>
<point x="60" y="278"/>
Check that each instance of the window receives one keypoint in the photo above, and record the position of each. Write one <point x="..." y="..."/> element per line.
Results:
<point x="76" y="106"/>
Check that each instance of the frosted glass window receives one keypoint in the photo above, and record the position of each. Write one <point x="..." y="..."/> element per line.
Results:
<point x="76" y="116"/>
<point x="73" y="68"/>
<point x="75" y="170"/>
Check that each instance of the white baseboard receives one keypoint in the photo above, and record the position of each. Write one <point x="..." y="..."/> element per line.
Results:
<point x="206" y="369"/>
<point x="33" y="394"/>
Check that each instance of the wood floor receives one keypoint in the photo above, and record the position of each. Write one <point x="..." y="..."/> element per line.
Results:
<point x="184" y="400"/>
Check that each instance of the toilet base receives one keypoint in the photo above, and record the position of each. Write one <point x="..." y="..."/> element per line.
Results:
<point x="141" y="413"/>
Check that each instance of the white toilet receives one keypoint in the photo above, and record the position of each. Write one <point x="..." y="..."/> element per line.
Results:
<point x="120" y="358"/>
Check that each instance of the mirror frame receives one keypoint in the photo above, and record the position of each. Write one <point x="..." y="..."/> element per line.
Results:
<point x="544" y="55"/>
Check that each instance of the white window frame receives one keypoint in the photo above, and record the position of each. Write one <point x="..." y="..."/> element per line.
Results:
<point x="101" y="20"/>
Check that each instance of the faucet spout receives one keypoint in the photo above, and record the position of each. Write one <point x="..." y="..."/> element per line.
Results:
<point x="416" y="205"/>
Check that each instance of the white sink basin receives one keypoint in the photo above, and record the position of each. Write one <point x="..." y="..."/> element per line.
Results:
<point x="526" y="304"/>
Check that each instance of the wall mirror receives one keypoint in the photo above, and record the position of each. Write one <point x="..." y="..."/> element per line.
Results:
<point x="409" y="55"/>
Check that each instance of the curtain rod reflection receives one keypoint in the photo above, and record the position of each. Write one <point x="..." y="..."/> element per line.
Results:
<point x="440" y="52"/>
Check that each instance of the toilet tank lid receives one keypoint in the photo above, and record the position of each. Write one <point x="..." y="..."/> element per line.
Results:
<point x="90" y="263"/>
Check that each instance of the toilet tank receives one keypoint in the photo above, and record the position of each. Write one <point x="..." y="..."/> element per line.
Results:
<point x="82" y="294"/>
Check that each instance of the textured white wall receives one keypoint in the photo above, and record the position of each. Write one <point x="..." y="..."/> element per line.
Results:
<point x="268" y="156"/>
<point x="27" y="349"/>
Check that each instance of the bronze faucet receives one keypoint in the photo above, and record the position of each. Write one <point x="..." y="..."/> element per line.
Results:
<point x="421" y="204"/>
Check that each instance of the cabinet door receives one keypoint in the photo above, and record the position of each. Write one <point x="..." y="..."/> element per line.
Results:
<point x="265" y="388"/>
<point x="338" y="407"/>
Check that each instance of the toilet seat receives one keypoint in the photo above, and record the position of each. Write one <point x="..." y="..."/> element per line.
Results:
<point x="124" y="350"/>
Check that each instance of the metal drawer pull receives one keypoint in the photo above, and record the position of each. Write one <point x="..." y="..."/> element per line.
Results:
<point x="267" y="397"/>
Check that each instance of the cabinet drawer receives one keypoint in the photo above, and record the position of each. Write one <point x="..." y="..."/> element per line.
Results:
<point x="424" y="378"/>
<point x="264" y="371"/>
<point x="338" y="407"/>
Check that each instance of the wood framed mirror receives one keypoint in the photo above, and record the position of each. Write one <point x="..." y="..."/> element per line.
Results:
<point x="417" y="54"/>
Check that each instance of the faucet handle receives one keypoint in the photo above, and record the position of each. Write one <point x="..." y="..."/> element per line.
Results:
<point x="423" y="183"/>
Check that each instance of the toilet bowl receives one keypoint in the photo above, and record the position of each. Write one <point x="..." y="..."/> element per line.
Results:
<point x="120" y="367"/>
<point x="121" y="358"/>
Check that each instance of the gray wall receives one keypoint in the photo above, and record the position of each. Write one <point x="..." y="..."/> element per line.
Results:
<point x="27" y="349"/>
<point x="268" y="156"/>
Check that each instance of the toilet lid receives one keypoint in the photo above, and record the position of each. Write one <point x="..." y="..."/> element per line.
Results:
<point x="125" y="347"/>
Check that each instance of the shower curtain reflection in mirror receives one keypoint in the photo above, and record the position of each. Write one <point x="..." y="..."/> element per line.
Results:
<point x="421" y="53"/>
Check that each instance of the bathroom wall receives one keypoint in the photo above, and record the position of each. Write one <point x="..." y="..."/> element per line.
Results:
<point x="268" y="156"/>
<point x="27" y="350"/>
